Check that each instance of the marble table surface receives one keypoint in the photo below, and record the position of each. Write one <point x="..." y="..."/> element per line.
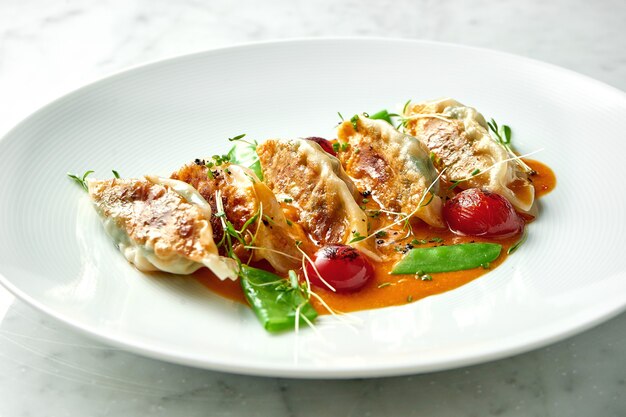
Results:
<point x="50" y="48"/>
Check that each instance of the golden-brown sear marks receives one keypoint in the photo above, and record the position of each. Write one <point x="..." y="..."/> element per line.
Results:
<point x="238" y="205"/>
<point x="377" y="163"/>
<point x="290" y="172"/>
<point x="151" y="214"/>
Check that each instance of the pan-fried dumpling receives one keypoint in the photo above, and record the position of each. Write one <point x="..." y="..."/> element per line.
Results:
<point x="393" y="166"/>
<point x="319" y="188"/>
<point x="159" y="224"/>
<point x="247" y="203"/>
<point x="459" y="138"/>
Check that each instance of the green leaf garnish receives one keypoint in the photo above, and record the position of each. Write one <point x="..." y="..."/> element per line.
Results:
<point x="244" y="154"/>
<point x="503" y="136"/>
<point x="354" y="121"/>
<point x="81" y="180"/>
<point x="357" y="237"/>
<point x="406" y="105"/>
<point x="238" y="137"/>
<point x="382" y="115"/>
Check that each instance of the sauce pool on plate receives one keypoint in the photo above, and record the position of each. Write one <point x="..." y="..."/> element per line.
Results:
<point x="391" y="290"/>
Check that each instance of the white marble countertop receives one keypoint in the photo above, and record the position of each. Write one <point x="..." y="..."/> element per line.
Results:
<point x="50" y="48"/>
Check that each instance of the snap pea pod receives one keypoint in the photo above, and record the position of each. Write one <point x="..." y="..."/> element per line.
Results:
<point x="447" y="258"/>
<point x="244" y="154"/>
<point x="275" y="300"/>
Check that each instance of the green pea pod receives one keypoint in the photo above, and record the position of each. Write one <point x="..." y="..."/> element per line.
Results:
<point x="274" y="300"/>
<point x="447" y="258"/>
<point x="244" y="154"/>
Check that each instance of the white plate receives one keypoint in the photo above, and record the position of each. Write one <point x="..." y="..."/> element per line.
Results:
<point x="568" y="276"/>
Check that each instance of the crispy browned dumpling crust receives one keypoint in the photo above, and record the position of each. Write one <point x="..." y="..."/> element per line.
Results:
<point x="243" y="197"/>
<point x="159" y="224"/>
<point x="239" y="204"/>
<point x="319" y="188"/>
<point x="461" y="143"/>
<point x="290" y="172"/>
<point x="394" y="167"/>
<point x="150" y="213"/>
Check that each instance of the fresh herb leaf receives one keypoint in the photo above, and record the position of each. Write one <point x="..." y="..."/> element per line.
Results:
<point x="237" y="137"/>
<point x="406" y="105"/>
<point x="115" y="174"/>
<point x="81" y="180"/>
<point x="354" y="120"/>
<point x="506" y="132"/>
<point x="244" y="154"/>
<point x="382" y="115"/>
<point x="503" y="136"/>
<point x="357" y="237"/>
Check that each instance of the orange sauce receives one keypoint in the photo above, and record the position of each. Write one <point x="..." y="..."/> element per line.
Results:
<point x="389" y="290"/>
<point x="227" y="288"/>
<point x="543" y="180"/>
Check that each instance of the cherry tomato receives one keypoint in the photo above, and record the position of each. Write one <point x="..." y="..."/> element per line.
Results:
<point x="324" y="143"/>
<point x="343" y="267"/>
<point x="478" y="212"/>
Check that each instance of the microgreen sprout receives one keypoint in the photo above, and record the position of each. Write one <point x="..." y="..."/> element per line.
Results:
<point x="503" y="137"/>
<point x="82" y="181"/>
<point x="357" y="237"/>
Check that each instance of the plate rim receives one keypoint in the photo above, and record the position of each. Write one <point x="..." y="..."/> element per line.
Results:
<point x="511" y="348"/>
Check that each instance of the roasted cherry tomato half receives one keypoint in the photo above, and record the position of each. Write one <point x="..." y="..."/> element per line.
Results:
<point x="324" y="143"/>
<point x="477" y="212"/>
<point x="342" y="266"/>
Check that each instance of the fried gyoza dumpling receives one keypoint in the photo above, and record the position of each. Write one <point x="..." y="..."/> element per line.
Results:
<point x="319" y="188"/>
<point x="393" y="166"/>
<point x="459" y="138"/>
<point x="159" y="224"/>
<point x="247" y="203"/>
